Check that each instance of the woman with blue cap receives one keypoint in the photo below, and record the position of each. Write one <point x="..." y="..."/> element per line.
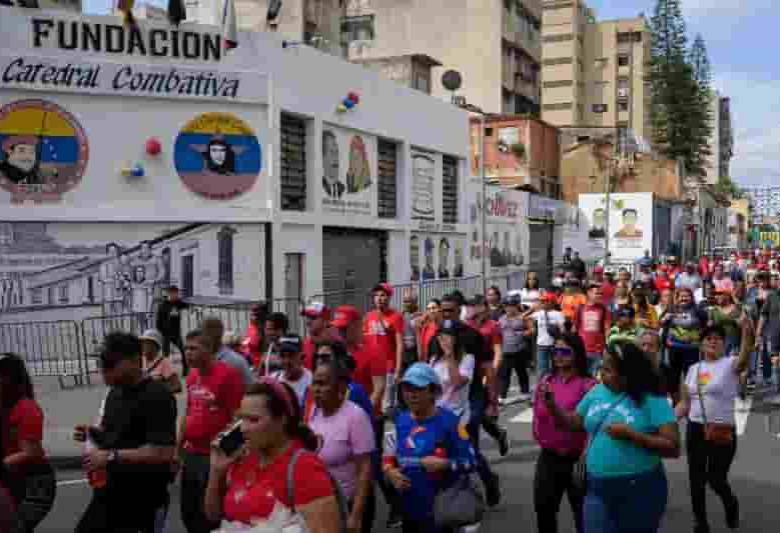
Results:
<point x="427" y="451"/>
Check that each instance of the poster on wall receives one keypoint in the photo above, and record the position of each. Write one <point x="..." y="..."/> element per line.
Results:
<point x="348" y="175"/>
<point x="218" y="156"/>
<point x="43" y="151"/>
<point x="123" y="268"/>
<point x="630" y="223"/>
<point x="423" y="186"/>
<point x="506" y="230"/>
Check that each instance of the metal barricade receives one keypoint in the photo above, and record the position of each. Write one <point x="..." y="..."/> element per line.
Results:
<point x="48" y="348"/>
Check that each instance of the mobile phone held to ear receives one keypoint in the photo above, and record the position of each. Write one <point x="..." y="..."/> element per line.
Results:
<point x="231" y="440"/>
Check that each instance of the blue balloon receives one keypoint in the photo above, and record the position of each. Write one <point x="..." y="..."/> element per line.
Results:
<point x="349" y="104"/>
<point x="138" y="171"/>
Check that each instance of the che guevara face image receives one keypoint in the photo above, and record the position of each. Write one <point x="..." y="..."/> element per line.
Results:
<point x="220" y="157"/>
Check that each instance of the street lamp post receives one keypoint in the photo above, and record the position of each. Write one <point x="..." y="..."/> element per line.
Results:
<point x="483" y="186"/>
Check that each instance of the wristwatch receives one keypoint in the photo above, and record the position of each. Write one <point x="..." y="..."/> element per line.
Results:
<point x="113" y="457"/>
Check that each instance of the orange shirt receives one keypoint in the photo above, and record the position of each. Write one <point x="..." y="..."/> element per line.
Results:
<point x="570" y="303"/>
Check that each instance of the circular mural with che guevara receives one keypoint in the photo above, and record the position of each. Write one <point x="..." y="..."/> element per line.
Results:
<point x="43" y="151"/>
<point x="217" y="155"/>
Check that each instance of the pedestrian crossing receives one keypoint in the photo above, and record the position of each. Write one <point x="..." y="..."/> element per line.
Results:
<point x="742" y="409"/>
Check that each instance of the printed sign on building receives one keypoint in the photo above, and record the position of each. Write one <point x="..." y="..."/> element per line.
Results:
<point x="349" y="177"/>
<point x="423" y="186"/>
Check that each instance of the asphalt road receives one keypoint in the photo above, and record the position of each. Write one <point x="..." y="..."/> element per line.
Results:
<point x="755" y="477"/>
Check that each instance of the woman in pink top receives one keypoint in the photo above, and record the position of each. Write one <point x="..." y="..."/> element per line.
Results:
<point x="347" y="441"/>
<point x="561" y="449"/>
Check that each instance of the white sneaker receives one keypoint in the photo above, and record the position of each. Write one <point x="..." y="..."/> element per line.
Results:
<point x="502" y="402"/>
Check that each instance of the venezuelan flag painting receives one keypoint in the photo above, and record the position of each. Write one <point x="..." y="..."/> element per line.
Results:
<point x="217" y="155"/>
<point x="43" y="151"/>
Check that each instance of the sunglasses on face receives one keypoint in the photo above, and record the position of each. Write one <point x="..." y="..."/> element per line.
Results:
<point x="563" y="352"/>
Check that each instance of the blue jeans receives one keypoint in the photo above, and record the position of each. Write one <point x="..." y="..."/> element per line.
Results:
<point x="633" y="504"/>
<point x="763" y="355"/>
<point x="543" y="360"/>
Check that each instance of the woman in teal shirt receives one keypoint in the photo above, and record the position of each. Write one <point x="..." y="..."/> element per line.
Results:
<point x="631" y="427"/>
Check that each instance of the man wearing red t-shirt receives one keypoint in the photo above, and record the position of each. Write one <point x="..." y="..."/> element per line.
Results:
<point x="592" y="323"/>
<point x="608" y="288"/>
<point x="214" y="392"/>
<point x="370" y="367"/>
<point x="317" y="317"/>
<point x="383" y="330"/>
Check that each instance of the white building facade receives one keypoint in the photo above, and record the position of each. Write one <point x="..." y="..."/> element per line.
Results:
<point x="134" y="160"/>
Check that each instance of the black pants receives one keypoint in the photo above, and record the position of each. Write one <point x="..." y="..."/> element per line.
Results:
<point x="708" y="463"/>
<point x="680" y="360"/>
<point x="552" y="479"/>
<point x="120" y="513"/>
<point x="517" y="362"/>
<point x="176" y="341"/>
<point x="194" y="480"/>
<point x="388" y="491"/>
<point x="422" y="526"/>
<point x="37" y="489"/>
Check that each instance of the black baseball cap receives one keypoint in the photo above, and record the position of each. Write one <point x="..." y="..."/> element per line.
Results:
<point x="477" y="299"/>
<point x="290" y="344"/>
<point x="625" y="311"/>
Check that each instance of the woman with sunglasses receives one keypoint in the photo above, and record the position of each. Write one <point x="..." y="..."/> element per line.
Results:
<point x="455" y="369"/>
<point x="427" y="327"/>
<point x="569" y="382"/>
<point x="25" y="469"/>
<point x="631" y="427"/>
<point x="707" y="401"/>
<point x="251" y="486"/>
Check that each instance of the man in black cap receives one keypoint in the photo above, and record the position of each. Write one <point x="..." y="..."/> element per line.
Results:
<point x="169" y="324"/>
<point x="134" y="444"/>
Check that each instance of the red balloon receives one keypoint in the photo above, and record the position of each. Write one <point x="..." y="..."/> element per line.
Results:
<point x="355" y="97"/>
<point x="153" y="146"/>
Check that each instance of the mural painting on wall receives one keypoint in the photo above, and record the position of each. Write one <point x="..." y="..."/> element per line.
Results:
<point x="217" y="155"/>
<point x="598" y="224"/>
<point x="44" y="151"/>
<point x="54" y="264"/>
<point x="504" y="244"/>
<point x="423" y="180"/>
<point x="458" y="272"/>
<point x="444" y="259"/>
<point x="350" y="192"/>
<point x="414" y="257"/>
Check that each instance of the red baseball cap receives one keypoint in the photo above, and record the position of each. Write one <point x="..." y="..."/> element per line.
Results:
<point x="344" y="315"/>
<point x="316" y="310"/>
<point x="549" y="297"/>
<point x="385" y="287"/>
<point x="598" y="269"/>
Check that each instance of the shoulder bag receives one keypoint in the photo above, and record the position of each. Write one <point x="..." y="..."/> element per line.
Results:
<point x="579" y="476"/>
<point x="341" y="501"/>
<point x="718" y="434"/>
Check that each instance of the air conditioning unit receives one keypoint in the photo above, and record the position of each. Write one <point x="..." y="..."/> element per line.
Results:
<point x="622" y="92"/>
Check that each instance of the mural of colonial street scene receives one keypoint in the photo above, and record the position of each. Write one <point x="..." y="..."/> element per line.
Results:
<point x="348" y="172"/>
<point x="108" y="268"/>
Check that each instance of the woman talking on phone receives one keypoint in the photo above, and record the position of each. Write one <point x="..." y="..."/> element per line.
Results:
<point x="707" y="400"/>
<point x="273" y="477"/>
<point x="631" y="427"/>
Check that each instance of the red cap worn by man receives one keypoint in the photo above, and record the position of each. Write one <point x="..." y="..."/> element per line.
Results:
<point x="318" y="329"/>
<point x="370" y="366"/>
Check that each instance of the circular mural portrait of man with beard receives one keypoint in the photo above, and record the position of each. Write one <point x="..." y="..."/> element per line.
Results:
<point x="43" y="151"/>
<point x="217" y="155"/>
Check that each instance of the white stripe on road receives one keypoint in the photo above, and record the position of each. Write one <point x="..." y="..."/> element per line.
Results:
<point x="71" y="482"/>
<point x="741" y="414"/>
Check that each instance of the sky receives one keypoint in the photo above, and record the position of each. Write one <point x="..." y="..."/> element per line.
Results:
<point x="741" y="37"/>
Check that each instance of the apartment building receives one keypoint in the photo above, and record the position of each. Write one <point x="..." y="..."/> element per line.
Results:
<point x="765" y="201"/>
<point x="726" y="137"/>
<point x="496" y="47"/>
<point x="315" y="23"/>
<point x="593" y="73"/>
<point x="713" y="167"/>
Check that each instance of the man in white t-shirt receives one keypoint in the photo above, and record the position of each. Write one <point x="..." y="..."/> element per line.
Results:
<point x="293" y="372"/>
<point x="547" y="320"/>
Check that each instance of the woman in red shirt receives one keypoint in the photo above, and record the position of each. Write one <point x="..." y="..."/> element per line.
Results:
<point x="27" y="472"/>
<point x="251" y="487"/>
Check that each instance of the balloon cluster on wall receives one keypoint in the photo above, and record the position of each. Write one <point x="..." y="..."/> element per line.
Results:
<point x="153" y="146"/>
<point x="352" y="99"/>
<point x="135" y="170"/>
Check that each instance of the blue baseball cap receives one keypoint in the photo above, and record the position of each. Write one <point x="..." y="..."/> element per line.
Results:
<point x="421" y="375"/>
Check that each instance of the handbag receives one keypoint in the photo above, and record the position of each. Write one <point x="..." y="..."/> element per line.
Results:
<point x="461" y="504"/>
<point x="579" y="475"/>
<point x="717" y="433"/>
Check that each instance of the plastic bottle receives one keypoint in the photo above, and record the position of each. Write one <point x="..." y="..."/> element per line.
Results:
<point x="97" y="479"/>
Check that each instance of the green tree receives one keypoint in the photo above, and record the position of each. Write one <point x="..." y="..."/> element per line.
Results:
<point x="680" y="112"/>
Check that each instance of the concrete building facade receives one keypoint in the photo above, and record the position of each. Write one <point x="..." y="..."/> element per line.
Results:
<point x="496" y="46"/>
<point x="765" y="201"/>
<point x="593" y="73"/>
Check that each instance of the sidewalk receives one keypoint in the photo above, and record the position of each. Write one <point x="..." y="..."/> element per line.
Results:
<point x="65" y="408"/>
